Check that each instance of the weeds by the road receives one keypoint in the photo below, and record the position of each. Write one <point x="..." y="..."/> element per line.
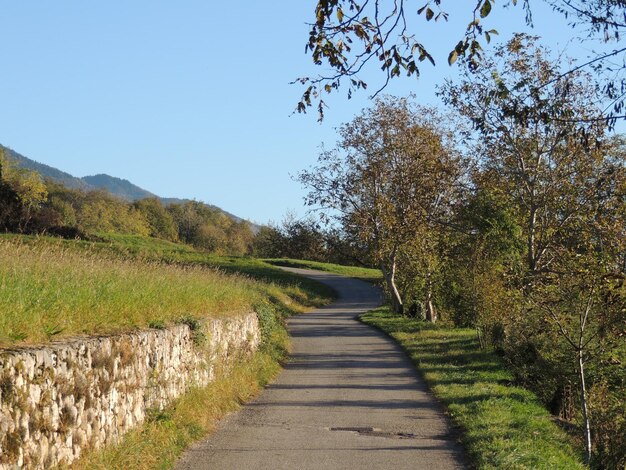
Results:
<point x="503" y="426"/>
<point x="162" y="439"/>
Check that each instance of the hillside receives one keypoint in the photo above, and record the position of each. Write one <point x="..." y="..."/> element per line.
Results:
<point x="119" y="187"/>
<point x="46" y="171"/>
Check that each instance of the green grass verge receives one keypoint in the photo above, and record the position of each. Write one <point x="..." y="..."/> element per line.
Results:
<point x="503" y="426"/>
<point x="365" y="274"/>
<point x="50" y="288"/>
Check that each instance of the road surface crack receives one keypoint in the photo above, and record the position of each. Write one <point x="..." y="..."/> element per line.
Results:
<point x="373" y="432"/>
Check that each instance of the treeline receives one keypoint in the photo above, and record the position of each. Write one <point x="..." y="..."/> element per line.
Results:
<point x="307" y="239"/>
<point x="28" y="204"/>
<point x="507" y="215"/>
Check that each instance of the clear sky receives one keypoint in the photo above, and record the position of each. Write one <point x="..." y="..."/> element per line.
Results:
<point x="190" y="99"/>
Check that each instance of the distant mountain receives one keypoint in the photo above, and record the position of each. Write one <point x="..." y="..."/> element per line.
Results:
<point x="117" y="186"/>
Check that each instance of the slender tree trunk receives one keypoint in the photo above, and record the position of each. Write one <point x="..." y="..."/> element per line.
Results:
<point x="583" y="400"/>
<point x="532" y="221"/>
<point x="390" y="279"/>
<point x="431" y="311"/>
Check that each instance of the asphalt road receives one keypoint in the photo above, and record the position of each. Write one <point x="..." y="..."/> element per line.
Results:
<point x="349" y="398"/>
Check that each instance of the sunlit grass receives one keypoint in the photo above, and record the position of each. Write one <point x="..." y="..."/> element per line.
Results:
<point x="504" y="426"/>
<point x="51" y="288"/>
<point x="357" y="272"/>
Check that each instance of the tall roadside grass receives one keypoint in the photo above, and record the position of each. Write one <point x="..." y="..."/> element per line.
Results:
<point x="503" y="426"/>
<point x="50" y="289"/>
<point x="148" y="249"/>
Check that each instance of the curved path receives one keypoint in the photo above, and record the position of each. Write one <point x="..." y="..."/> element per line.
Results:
<point x="349" y="398"/>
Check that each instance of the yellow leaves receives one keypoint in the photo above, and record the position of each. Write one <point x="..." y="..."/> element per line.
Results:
<point x="339" y="14"/>
<point x="454" y="55"/>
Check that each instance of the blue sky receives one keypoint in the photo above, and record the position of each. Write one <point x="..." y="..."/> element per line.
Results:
<point x="191" y="99"/>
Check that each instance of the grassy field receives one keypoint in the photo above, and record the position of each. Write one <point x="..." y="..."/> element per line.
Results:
<point x="504" y="426"/>
<point x="139" y="248"/>
<point x="51" y="288"/>
<point x="365" y="274"/>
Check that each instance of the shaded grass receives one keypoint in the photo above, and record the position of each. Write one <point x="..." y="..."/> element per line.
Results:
<point x="356" y="272"/>
<point x="263" y="271"/>
<point x="503" y="426"/>
<point x="51" y="288"/>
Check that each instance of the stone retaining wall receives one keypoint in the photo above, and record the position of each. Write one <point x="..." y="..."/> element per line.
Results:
<point x="60" y="399"/>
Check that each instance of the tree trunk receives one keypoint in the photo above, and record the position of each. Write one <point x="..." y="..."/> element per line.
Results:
<point x="583" y="401"/>
<point x="531" y="255"/>
<point x="431" y="311"/>
<point x="390" y="279"/>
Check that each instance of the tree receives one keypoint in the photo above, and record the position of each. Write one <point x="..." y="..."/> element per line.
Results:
<point x="187" y="219"/>
<point x="268" y="243"/>
<point x="99" y="211"/>
<point x="10" y="206"/>
<point x="547" y="154"/>
<point x="294" y="238"/>
<point x="487" y="242"/>
<point x="307" y="239"/>
<point x="209" y="228"/>
<point x="343" y="249"/>
<point x="603" y="19"/>
<point x="543" y="149"/>
<point x="584" y="302"/>
<point x="159" y="219"/>
<point x="392" y="172"/>
<point x="239" y="238"/>
<point x="302" y="239"/>
<point x="349" y="35"/>
<point x="22" y="193"/>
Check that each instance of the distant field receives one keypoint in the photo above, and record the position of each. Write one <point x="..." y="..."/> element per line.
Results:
<point x="365" y="274"/>
<point x="51" y="288"/>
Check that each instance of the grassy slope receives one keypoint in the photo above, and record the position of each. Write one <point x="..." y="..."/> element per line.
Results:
<point x="152" y="249"/>
<point x="365" y="274"/>
<point x="51" y="288"/>
<point x="504" y="426"/>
